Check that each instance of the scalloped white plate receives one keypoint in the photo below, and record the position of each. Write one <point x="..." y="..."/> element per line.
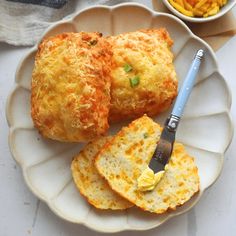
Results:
<point x="206" y="128"/>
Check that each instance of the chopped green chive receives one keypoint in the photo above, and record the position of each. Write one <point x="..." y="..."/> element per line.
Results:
<point x="134" y="81"/>
<point x="145" y="135"/>
<point x="127" y="68"/>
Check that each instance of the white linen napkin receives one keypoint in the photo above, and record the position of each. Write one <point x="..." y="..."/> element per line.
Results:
<point x="22" y="22"/>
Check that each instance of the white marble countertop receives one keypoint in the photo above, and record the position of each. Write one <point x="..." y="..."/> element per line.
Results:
<point x="21" y="213"/>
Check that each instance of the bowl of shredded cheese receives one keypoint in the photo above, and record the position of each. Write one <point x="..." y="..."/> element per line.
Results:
<point x="199" y="10"/>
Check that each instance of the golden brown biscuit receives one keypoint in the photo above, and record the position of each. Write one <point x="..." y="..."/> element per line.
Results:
<point x="71" y="87"/>
<point x="123" y="160"/>
<point x="143" y="74"/>
<point x="92" y="185"/>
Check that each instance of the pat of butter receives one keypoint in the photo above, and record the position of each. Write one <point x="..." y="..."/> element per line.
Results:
<point x="148" y="180"/>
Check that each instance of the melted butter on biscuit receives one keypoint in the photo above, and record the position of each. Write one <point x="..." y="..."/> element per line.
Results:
<point x="148" y="180"/>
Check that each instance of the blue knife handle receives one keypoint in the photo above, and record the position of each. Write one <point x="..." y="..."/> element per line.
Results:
<point x="187" y="86"/>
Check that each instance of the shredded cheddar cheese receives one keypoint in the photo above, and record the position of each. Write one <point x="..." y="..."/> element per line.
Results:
<point x="71" y="87"/>
<point x="198" y="8"/>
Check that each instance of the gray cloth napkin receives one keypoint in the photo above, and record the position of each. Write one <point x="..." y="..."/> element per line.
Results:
<point x="22" y="22"/>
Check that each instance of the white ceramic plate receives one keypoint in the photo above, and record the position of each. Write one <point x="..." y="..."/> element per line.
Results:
<point x="205" y="129"/>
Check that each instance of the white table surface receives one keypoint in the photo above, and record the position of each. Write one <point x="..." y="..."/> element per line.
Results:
<point x="21" y="213"/>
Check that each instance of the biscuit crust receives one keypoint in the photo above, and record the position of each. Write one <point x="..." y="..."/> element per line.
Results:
<point x="149" y="57"/>
<point x="71" y="87"/>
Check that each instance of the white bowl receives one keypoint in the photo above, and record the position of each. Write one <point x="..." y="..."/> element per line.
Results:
<point x="205" y="129"/>
<point x="230" y="4"/>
